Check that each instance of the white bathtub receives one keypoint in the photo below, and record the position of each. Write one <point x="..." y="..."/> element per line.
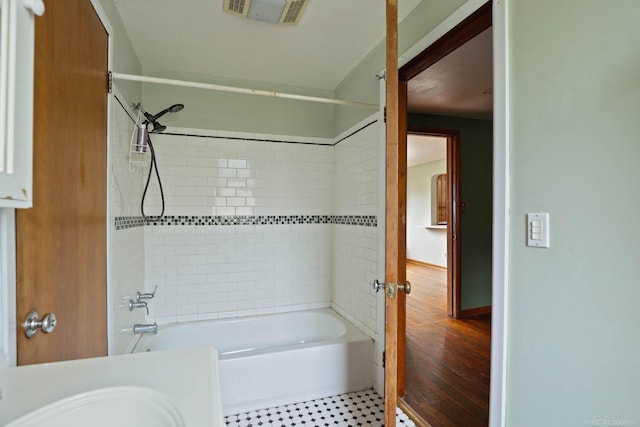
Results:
<point x="271" y="360"/>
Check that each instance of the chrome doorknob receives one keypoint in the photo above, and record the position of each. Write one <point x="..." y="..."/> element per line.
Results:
<point x="406" y="287"/>
<point x="377" y="285"/>
<point x="393" y="288"/>
<point x="33" y="322"/>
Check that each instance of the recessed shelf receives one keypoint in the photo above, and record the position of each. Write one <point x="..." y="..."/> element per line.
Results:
<point x="433" y="227"/>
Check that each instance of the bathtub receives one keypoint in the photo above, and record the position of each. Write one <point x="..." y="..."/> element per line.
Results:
<point x="276" y="359"/>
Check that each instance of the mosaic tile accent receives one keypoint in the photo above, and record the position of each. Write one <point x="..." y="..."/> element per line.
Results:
<point x="122" y="223"/>
<point x="363" y="408"/>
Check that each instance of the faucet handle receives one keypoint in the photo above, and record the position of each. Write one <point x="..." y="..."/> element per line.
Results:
<point x="146" y="295"/>
<point x="137" y="304"/>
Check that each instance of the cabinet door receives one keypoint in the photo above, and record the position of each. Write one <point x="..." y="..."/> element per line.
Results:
<point x="441" y="199"/>
<point x="16" y="101"/>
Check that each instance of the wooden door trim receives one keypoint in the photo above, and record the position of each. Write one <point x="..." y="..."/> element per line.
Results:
<point x="453" y="214"/>
<point x="412" y="414"/>
<point x="466" y="30"/>
<point x="402" y="232"/>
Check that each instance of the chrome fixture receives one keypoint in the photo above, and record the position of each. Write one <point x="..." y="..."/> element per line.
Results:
<point x="33" y="322"/>
<point x="378" y="285"/>
<point x="142" y="139"/>
<point x="138" y="304"/>
<point x="146" y="295"/>
<point x="145" y="328"/>
<point x="392" y="288"/>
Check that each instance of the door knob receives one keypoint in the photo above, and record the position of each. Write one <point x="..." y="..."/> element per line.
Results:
<point x="406" y="287"/>
<point x="392" y="288"/>
<point x="377" y="285"/>
<point x="33" y="322"/>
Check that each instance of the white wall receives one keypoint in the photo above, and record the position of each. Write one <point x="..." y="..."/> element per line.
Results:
<point x="573" y="325"/>
<point x="426" y="245"/>
<point x="7" y="287"/>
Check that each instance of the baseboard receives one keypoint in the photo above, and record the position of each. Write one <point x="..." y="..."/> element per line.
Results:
<point x="426" y="264"/>
<point x="476" y="311"/>
<point x="411" y="413"/>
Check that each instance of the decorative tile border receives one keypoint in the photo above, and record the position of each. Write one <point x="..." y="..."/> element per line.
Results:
<point x="124" y="222"/>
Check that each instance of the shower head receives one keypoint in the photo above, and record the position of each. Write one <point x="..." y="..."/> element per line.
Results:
<point x="143" y="128"/>
<point x="173" y="109"/>
<point x="157" y="127"/>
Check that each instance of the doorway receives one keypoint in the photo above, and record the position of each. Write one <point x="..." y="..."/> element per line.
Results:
<point x="449" y="87"/>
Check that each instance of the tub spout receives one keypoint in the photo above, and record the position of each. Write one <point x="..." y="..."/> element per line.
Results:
<point x="145" y="328"/>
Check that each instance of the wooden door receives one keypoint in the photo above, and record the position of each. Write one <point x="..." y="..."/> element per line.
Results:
<point x="395" y="257"/>
<point x="61" y="241"/>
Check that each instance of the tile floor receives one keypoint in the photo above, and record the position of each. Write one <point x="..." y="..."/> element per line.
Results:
<point x="362" y="408"/>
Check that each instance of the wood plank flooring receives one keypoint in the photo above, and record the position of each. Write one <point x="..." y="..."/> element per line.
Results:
<point x="448" y="360"/>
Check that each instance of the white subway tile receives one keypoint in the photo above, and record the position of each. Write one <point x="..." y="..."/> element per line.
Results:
<point x="237" y="163"/>
<point x="227" y="173"/>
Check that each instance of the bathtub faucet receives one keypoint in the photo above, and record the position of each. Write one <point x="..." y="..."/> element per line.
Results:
<point x="145" y="328"/>
<point x="138" y="304"/>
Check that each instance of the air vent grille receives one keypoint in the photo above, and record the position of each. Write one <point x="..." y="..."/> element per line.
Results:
<point x="289" y="14"/>
<point x="295" y="8"/>
<point x="239" y="7"/>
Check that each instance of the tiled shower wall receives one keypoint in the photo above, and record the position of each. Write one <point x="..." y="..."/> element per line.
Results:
<point x="355" y="249"/>
<point x="253" y="224"/>
<point x="126" y="246"/>
<point x="257" y="239"/>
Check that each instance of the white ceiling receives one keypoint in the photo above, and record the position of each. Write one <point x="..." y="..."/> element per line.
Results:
<point x="460" y="84"/>
<point x="425" y="149"/>
<point x="190" y="37"/>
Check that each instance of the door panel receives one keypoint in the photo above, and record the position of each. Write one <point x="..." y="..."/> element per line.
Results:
<point x="61" y="241"/>
<point x="393" y="259"/>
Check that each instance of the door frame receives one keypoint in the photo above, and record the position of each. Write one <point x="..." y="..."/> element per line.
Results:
<point x="106" y="23"/>
<point x="454" y="235"/>
<point x="501" y="196"/>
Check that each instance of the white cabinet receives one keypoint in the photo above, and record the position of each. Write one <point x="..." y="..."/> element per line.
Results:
<point x="16" y="100"/>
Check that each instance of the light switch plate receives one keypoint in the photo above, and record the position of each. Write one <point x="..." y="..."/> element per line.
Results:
<point x="538" y="230"/>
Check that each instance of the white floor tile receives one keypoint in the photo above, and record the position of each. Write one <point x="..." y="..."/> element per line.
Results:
<point x="363" y="408"/>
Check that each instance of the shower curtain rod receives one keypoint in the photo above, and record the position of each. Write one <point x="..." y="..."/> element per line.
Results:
<point x="208" y="86"/>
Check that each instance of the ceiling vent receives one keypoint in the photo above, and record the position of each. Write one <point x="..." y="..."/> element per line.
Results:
<point x="273" y="11"/>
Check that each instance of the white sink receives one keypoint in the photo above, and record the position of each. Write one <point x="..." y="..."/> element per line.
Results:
<point x="113" y="406"/>
<point x="172" y="388"/>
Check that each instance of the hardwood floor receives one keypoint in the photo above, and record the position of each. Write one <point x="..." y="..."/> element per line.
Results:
<point x="448" y="360"/>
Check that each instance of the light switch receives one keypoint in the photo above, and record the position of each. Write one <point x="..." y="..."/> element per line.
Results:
<point x="538" y="230"/>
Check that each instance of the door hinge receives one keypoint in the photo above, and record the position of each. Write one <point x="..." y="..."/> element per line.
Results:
<point x="109" y="82"/>
<point x="384" y="358"/>
<point x="385" y="114"/>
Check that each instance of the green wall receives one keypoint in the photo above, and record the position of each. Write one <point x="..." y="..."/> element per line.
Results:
<point x="361" y="84"/>
<point x="233" y="112"/>
<point x="239" y="112"/>
<point x="124" y="59"/>
<point x="476" y="168"/>
<point x="218" y="110"/>
<point x="574" y="340"/>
